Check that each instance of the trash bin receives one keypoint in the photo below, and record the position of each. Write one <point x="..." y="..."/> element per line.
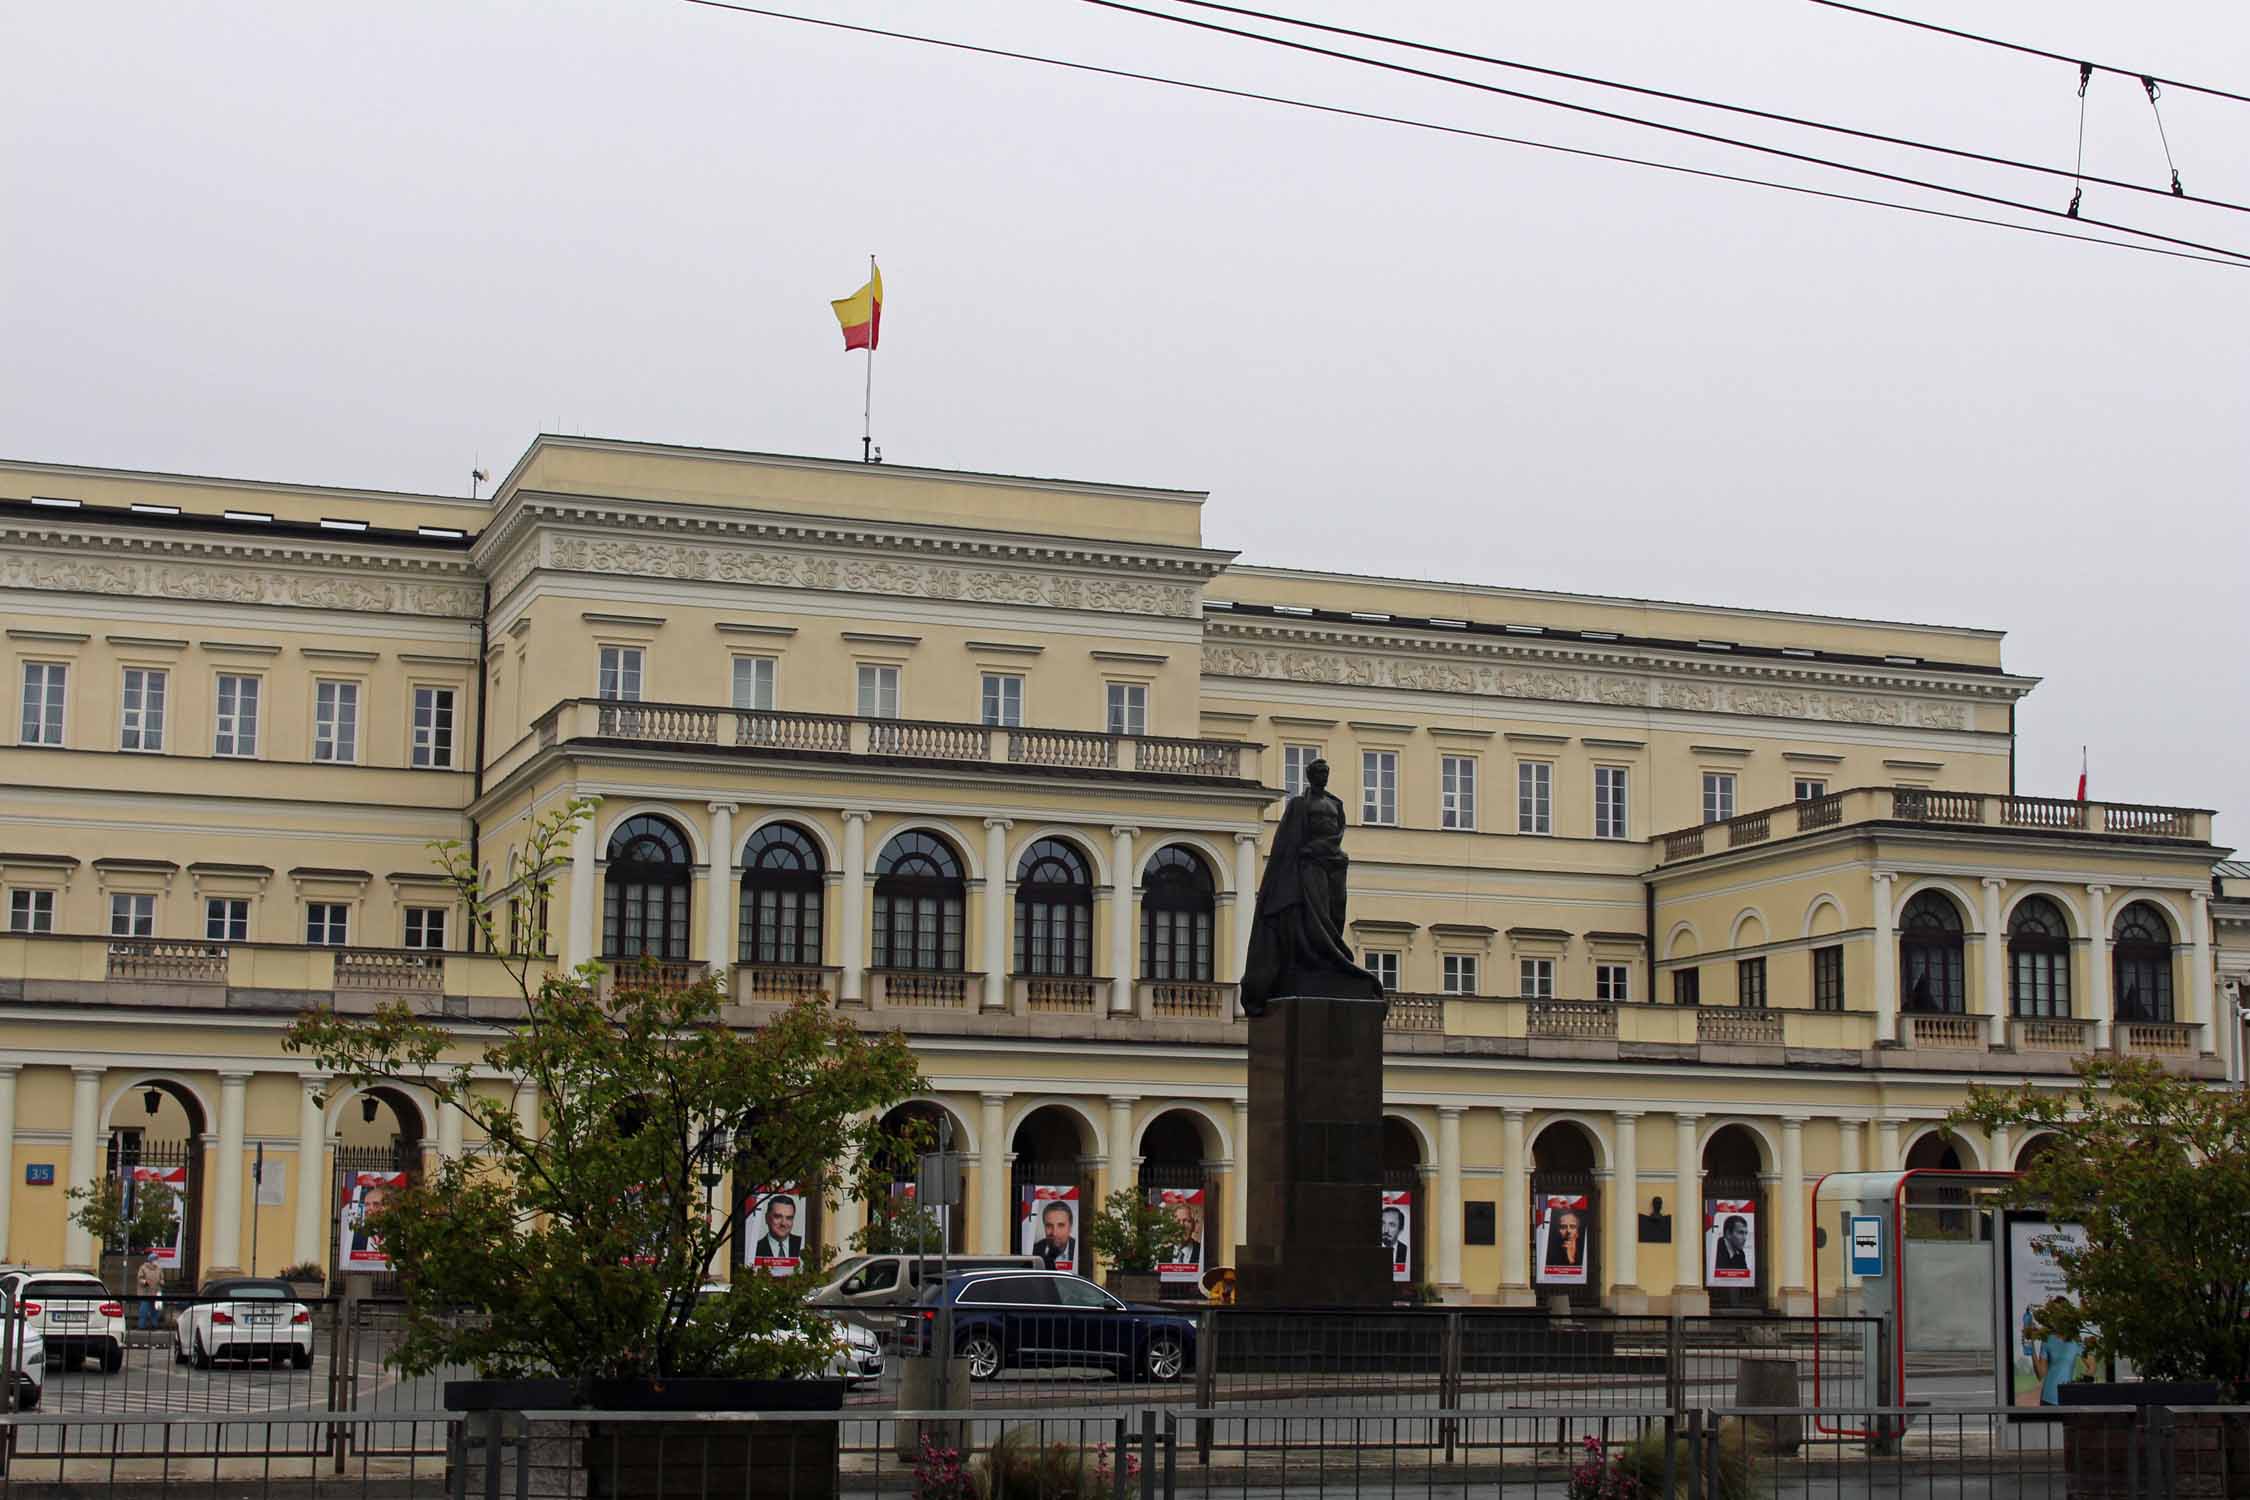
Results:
<point x="1770" y="1382"/>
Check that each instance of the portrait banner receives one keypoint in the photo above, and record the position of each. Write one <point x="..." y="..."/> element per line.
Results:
<point x="1050" y="1225"/>
<point x="776" y="1218"/>
<point x="1183" y="1258"/>
<point x="1730" y="1242"/>
<point x="1566" y="1231"/>
<point x="1398" y="1232"/>
<point x="364" y="1193"/>
<point x="166" y="1255"/>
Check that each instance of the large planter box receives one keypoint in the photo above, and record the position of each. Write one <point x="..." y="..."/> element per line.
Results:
<point x="1135" y="1286"/>
<point x="2110" y="1455"/>
<point x="562" y="1457"/>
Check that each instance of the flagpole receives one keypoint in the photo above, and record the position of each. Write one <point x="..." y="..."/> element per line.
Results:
<point x="867" y="411"/>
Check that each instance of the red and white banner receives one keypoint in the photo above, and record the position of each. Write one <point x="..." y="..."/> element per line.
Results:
<point x="776" y="1223"/>
<point x="365" y="1192"/>
<point x="1183" y="1258"/>
<point x="175" y="1178"/>
<point x="1730" y="1242"/>
<point x="1398" y="1232"/>
<point x="1566" y="1237"/>
<point x="1050" y="1226"/>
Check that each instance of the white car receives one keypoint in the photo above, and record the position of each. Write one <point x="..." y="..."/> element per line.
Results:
<point x="245" y="1318"/>
<point x="859" y="1355"/>
<point x="74" y="1315"/>
<point x="31" y="1368"/>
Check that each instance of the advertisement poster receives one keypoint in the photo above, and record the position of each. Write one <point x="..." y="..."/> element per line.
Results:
<point x="777" y="1230"/>
<point x="1730" y="1242"/>
<point x="2039" y="1361"/>
<point x="1050" y="1226"/>
<point x="1398" y="1231"/>
<point x="1183" y="1262"/>
<point x="364" y="1193"/>
<point x="1566" y="1230"/>
<point x="175" y="1178"/>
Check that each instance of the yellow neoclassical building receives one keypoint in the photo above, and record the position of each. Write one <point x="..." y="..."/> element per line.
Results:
<point x="1680" y="905"/>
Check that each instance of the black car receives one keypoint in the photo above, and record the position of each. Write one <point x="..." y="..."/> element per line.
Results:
<point x="1028" y="1320"/>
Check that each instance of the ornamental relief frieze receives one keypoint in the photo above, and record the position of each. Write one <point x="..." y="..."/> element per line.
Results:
<point x="1561" y="685"/>
<point x="774" y="569"/>
<point x="221" y="584"/>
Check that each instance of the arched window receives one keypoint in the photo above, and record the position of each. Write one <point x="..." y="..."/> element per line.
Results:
<point x="1177" y="899"/>
<point x="2141" y="963"/>
<point x="919" y="895"/>
<point x="645" y="891"/>
<point x="2038" y="959"/>
<point x="1054" y="911"/>
<point x="1929" y="955"/>
<point x="781" y="893"/>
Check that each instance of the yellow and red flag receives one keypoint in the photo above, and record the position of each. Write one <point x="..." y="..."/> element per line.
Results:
<point x="861" y="313"/>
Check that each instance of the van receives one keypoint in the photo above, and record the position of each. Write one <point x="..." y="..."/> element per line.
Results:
<point x="877" y="1288"/>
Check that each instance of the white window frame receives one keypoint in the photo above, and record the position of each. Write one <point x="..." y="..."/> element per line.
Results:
<point x="422" y="916"/>
<point x="27" y="912"/>
<point x="1613" y="802"/>
<point x="218" y="919"/>
<point x="46" y="702"/>
<point x="619" y="673"/>
<point x="1294" y="759"/>
<point x="1457" y="791"/>
<point x="882" y="690"/>
<point x="1128" y="708"/>
<point x="1718" y="796"/>
<point x="131" y="910"/>
<point x="1000" y="700"/>
<point x="1384" y="964"/>
<point x="1535" y="978"/>
<point x="428" y="750"/>
<point x="1378" y="788"/>
<point x="234" y="733"/>
<point x="334" y="933"/>
<point x="336" y="721"/>
<point x="1613" y="982"/>
<point x="141" y="697"/>
<point x="761" y="675"/>
<point x="1458" y="973"/>
<point x="1535" y="796"/>
<point x="1811" y="788"/>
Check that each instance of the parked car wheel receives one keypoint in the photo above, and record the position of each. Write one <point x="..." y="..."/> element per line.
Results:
<point x="1165" y="1358"/>
<point x="113" y="1359"/>
<point x="300" y="1359"/>
<point x="179" y="1354"/>
<point x="202" y="1355"/>
<point x="982" y="1351"/>
<point x="74" y="1361"/>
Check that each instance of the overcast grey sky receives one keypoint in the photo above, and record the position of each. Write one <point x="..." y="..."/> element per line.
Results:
<point x="372" y="245"/>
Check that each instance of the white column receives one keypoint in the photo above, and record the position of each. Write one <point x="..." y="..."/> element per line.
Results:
<point x="1849" y="1160"/>
<point x="1515" y="1211"/>
<point x="719" y="942"/>
<point x="2003" y="1157"/>
<point x="8" y="1073"/>
<point x="1624" y="1210"/>
<point x="1995" y="966"/>
<point x="578" y="939"/>
<point x="1124" y="875"/>
<point x="2200" y="981"/>
<point x="992" y="1175"/>
<point x="527" y="1110"/>
<point x="998" y="955"/>
<point x="853" y="938"/>
<point x="79" y="1248"/>
<point x="451" y="1124"/>
<point x="312" y="1174"/>
<point x="1886" y="962"/>
<point x="1792" y="1282"/>
<point x="1238" y="1211"/>
<point x="1687" y="1213"/>
<point x="1449" y="1196"/>
<point x="1121" y="1154"/>
<point x="1887" y="1158"/>
<point x="226" y="1233"/>
<point x="1245" y="898"/>
<point x="2097" y="963"/>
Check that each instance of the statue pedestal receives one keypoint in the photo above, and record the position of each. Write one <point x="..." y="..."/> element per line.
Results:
<point x="1315" y="1195"/>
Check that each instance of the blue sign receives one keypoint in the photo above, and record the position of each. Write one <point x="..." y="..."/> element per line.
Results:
<point x="39" y="1174"/>
<point x="1867" y="1245"/>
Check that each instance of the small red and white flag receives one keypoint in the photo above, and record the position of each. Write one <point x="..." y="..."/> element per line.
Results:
<point x="2081" y="773"/>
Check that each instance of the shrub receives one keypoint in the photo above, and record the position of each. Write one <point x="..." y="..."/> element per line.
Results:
<point x="1635" y="1470"/>
<point x="939" y="1474"/>
<point x="306" y="1272"/>
<point x="1131" y="1234"/>
<point x="1022" y="1466"/>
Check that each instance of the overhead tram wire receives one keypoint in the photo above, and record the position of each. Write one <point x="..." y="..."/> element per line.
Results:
<point x="1670" y="129"/>
<point x="2062" y="57"/>
<point x="1462" y="131"/>
<point x="1750" y="111"/>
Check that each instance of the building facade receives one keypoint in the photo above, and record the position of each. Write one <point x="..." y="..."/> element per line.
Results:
<point x="1680" y="906"/>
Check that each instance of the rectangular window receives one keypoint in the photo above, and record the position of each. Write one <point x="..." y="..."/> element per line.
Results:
<point x="621" y="673"/>
<point x="1128" y="708"/>
<point x="143" y="720"/>
<point x="131" y="915"/>
<point x="1378" y="786"/>
<point x="1810" y="789"/>
<point x="237" y="718"/>
<point x="1294" y="759"/>
<point x="336" y="721"/>
<point x="1535" y="797"/>
<point x="1460" y="973"/>
<point x="326" y="923"/>
<point x="1750" y="983"/>
<point x="878" y="692"/>
<point x="425" y="927"/>
<point x="1828" y="978"/>
<point x="1718" y="796"/>
<point x="433" y="727"/>
<point x="1610" y="982"/>
<point x="31" y="911"/>
<point x="1609" y="802"/>
<point x="43" y="683"/>
<point x="1687" y="986"/>
<point x="1383" y="965"/>
<point x="1003" y="699"/>
<point x="1457" y="791"/>
<point x="1536" y="979"/>
<point x="226" y="919"/>
<point x="753" y="682"/>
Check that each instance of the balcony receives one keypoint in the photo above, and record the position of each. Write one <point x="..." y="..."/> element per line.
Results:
<point x="1185" y="1000"/>
<point x="1732" y="1026"/>
<point x="1944" y="1032"/>
<point x="1057" y="995"/>
<point x="1931" y="807"/>
<point x="784" y="984"/>
<point x="2157" y="1038"/>
<point x="391" y="971"/>
<point x="924" y="989"/>
<point x="650" y="973"/>
<point x="154" y="961"/>
<point x="690" y="727"/>
<point x="2050" y="1034"/>
<point x="1412" y="1012"/>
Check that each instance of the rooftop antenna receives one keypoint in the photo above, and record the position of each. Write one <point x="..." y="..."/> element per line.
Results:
<point x="477" y="476"/>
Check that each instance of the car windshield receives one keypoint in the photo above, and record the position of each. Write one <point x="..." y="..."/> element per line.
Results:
<point x="63" y="1291"/>
<point x="845" y="1267"/>
<point x="250" y="1291"/>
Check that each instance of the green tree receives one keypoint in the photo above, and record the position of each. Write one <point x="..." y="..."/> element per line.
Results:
<point x="580" y="1249"/>
<point x="143" y="1222"/>
<point x="2156" y="1167"/>
<point x="900" y="1226"/>
<point x="1132" y="1234"/>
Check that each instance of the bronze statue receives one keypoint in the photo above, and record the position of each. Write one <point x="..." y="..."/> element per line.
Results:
<point x="1298" y="944"/>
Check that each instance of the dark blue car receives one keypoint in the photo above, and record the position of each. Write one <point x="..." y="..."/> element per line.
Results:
<point x="1028" y="1320"/>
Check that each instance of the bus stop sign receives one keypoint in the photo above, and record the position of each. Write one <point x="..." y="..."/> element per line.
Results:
<point x="1867" y="1245"/>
